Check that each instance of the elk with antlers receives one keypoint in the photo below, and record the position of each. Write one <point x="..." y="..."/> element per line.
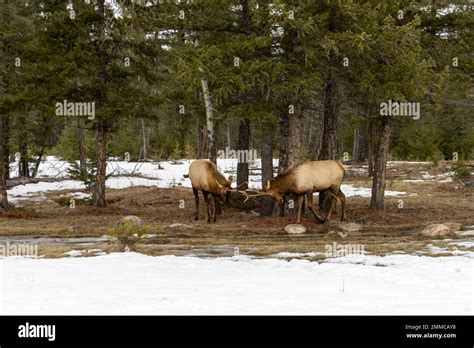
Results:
<point x="308" y="177"/>
<point x="206" y="178"/>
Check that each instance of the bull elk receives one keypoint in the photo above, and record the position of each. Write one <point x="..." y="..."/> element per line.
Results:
<point x="206" y="178"/>
<point x="308" y="177"/>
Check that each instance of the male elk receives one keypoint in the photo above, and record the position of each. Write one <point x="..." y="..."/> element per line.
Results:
<point x="309" y="177"/>
<point x="206" y="178"/>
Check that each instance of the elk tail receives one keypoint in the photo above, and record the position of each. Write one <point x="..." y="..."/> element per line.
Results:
<point x="343" y="167"/>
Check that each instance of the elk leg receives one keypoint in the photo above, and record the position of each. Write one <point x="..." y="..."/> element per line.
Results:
<point x="310" y="207"/>
<point x="300" y="206"/>
<point x="214" y="208"/>
<point x="206" y="198"/>
<point x="333" y="205"/>
<point x="342" y="198"/>
<point x="196" y="199"/>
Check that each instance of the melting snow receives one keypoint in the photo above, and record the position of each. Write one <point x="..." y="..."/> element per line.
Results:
<point x="131" y="283"/>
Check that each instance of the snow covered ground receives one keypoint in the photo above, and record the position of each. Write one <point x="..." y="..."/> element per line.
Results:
<point x="131" y="283"/>
<point x="127" y="174"/>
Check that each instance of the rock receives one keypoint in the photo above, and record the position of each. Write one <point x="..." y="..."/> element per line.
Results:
<point x="468" y="228"/>
<point x="350" y="227"/>
<point x="453" y="226"/>
<point x="295" y="229"/>
<point x="135" y="221"/>
<point x="180" y="227"/>
<point x="342" y="234"/>
<point x="436" y="230"/>
<point x="465" y="233"/>
<point x="75" y="228"/>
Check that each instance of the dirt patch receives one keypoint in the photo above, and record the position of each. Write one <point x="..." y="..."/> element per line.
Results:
<point x="396" y="229"/>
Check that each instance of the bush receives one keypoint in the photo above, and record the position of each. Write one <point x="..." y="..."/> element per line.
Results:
<point x="88" y="178"/>
<point x="128" y="234"/>
<point x="461" y="170"/>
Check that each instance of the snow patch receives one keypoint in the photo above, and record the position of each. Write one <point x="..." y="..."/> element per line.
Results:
<point x="131" y="283"/>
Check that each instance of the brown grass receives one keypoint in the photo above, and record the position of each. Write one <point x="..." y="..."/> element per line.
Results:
<point x="384" y="232"/>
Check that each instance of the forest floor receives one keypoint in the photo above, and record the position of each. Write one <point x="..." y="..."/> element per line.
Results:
<point x="429" y="199"/>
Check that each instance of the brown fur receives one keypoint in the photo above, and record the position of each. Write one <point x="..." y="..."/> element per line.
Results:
<point x="206" y="178"/>
<point x="309" y="177"/>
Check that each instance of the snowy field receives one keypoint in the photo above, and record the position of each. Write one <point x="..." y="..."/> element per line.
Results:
<point x="127" y="174"/>
<point x="131" y="283"/>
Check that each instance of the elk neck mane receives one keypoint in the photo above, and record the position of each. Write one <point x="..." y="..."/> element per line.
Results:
<point x="283" y="182"/>
<point x="215" y="173"/>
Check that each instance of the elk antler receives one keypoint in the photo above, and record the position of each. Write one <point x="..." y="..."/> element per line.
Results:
<point x="253" y="193"/>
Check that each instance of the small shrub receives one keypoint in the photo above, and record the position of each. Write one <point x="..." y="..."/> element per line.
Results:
<point x="65" y="201"/>
<point x="88" y="178"/>
<point x="436" y="156"/>
<point x="128" y="234"/>
<point x="461" y="170"/>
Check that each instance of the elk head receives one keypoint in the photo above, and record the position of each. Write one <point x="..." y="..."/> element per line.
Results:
<point x="228" y="188"/>
<point x="277" y="196"/>
<point x="224" y="188"/>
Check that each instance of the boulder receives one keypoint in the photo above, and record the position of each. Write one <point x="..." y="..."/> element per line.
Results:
<point x="436" y="230"/>
<point x="74" y="229"/>
<point x="453" y="226"/>
<point x="135" y="221"/>
<point x="180" y="227"/>
<point x="350" y="227"/>
<point x="295" y="229"/>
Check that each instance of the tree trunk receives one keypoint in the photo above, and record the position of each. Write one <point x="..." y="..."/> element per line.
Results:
<point x="4" y="131"/>
<point x="294" y="135"/>
<point x="145" y="140"/>
<point x="360" y="147"/>
<point x="380" y="165"/>
<point x="5" y="119"/>
<point x="81" y="142"/>
<point x="200" y="140"/>
<point x="279" y="209"/>
<point x="331" y="104"/>
<point x="23" y="167"/>
<point x="331" y="112"/>
<point x="370" y="149"/>
<point x="101" y="165"/>
<point x="211" y="143"/>
<point x="38" y="162"/>
<point x="266" y="149"/>
<point x="243" y="151"/>
<point x="293" y="151"/>
<point x="316" y="140"/>
<point x="290" y="149"/>
<point x="101" y="126"/>
<point x="284" y="134"/>
<point x="329" y="141"/>
<point x="5" y="140"/>
<point x="3" y="184"/>
<point x="228" y="141"/>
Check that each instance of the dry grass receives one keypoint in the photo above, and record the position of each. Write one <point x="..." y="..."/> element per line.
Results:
<point x="395" y="229"/>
